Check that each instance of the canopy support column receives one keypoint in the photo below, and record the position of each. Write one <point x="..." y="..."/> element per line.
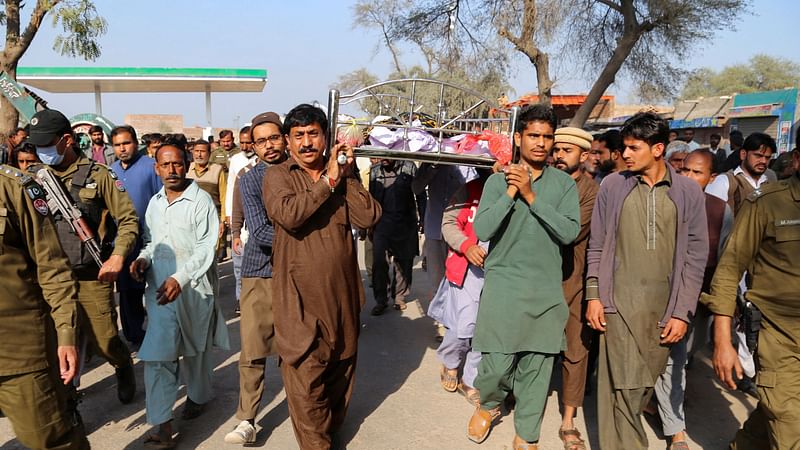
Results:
<point x="98" y="101"/>
<point x="208" y="106"/>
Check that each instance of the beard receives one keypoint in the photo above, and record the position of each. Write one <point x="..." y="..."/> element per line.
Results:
<point x="607" y="166"/>
<point x="568" y="169"/>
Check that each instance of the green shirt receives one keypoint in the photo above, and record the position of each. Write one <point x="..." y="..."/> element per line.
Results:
<point x="522" y="305"/>
<point x="644" y="258"/>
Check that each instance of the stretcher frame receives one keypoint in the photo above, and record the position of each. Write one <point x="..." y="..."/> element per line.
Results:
<point x="408" y="105"/>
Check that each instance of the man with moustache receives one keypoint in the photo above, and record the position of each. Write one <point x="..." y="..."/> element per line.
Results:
<point x="141" y="183"/>
<point x="317" y="292"/>
<point x="648" y="227"/>
<point x="671" y="385"/>
<point x="735" y="185"/>
<point x="183" y="318"/>
<point x="227" y="149"/>
<point x="570" y="150"/>
<point x="608" y="154"/>
<point x="256" y="323"/>
<point x="765" y="242"/>
<point x="212" y="178"/>
<point x="100" y="151"/>
<point x="526" y="213"/>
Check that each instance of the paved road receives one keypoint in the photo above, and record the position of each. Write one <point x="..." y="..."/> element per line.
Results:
<point x="397" y="402"/>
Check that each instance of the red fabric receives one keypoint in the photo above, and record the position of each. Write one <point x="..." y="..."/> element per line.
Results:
<point x="499" y="145"/>
<point x="457" y="264"/>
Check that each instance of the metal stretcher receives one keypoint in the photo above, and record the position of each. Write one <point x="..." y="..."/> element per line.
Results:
<point x="400" y="100"/>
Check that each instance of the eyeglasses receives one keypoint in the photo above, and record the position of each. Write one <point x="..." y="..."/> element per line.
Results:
<point x="262" y="142"/>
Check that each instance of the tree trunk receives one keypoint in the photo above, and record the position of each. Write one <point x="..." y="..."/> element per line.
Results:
<point x="9" y="117"/>
<point x="544" y="83"/>
<point x="607" y="76"/>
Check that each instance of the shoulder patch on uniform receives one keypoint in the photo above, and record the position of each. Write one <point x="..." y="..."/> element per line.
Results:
<point x="40" y="205"/>
<point x="35" y="191"/>
<point x="119" y="185"/>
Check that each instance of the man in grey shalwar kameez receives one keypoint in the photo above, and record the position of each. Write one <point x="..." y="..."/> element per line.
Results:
<point x="183" y="319"/>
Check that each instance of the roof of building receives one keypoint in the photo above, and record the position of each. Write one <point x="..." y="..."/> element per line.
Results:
<point x="142" y="79"/>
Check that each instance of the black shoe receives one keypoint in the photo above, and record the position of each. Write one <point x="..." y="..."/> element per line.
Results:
<point x="747" y="386"/>
<point x="191" y="410"/>
<point x="126" y="384"/>
<point x="378" y="309"/>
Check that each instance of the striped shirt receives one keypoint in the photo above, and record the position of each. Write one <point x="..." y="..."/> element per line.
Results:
<point x="257" y="258"/>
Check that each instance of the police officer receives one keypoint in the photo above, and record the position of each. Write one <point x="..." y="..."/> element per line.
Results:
<point x="108" y="210"/>
<point x="34" y="270"/>
<point x="766" y="243"/>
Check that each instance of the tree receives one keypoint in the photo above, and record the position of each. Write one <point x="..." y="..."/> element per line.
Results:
<point x="647" y="39"/>
<point x="80" y="24"/>
<point x="453" y="65"/>
<point x="761" y="73"/>
<point x="643" y="39"/>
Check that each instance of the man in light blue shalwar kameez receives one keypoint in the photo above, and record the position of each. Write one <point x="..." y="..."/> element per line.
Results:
<point x="183" y="319"/>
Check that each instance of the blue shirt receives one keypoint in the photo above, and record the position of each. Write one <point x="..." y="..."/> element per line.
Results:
<point x="257" y="258"/>
<point x="141" y="183"/>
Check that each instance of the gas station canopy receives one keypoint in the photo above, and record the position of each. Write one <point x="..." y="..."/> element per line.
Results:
<point x="142" y="79"/>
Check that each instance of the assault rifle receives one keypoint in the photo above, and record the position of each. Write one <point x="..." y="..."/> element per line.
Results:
<point x="59" y="200"/>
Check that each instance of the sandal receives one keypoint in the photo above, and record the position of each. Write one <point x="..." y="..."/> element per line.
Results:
<point x="159" y="440"/>
<point x="472" y="395"/>
<point x="572" y="439"/>
<point x="400" y="305"/>
<point x="520" y="444"/>
<point x="449" y="381"/>
<point x="679" y="445"/>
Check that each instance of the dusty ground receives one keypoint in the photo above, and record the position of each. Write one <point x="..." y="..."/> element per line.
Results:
<point x="397" y="404"/>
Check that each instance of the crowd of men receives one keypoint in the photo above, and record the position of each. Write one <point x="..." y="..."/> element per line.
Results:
<point x="616" y="255"/>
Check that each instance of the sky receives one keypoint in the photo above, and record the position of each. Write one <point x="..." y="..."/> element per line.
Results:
<point x="305" y="46"/>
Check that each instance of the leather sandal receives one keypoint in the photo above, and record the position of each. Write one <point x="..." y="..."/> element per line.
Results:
<point x="472" y="395"/>
<point x="572" y="439"/>
<point x="481" y="423"/>
<point x="448" y="380"/>
<point x="679" y="445"/>
<point x="521" y="444"/>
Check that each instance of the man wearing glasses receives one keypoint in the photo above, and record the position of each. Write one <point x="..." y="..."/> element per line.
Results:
<point x="256" y="325"/>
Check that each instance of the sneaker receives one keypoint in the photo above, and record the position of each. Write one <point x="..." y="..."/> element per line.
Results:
<point x="244" y="433"/>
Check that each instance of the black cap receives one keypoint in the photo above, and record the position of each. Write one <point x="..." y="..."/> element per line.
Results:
<point x="46" y="125"/>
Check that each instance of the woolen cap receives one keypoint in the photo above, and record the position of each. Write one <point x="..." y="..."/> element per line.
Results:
<point x="266" y="117"/>
<point x="575" y="136"/>
<point x="46" y="125"/>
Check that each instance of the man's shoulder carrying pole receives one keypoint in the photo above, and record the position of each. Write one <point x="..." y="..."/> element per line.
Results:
<point x="59" y="200"/>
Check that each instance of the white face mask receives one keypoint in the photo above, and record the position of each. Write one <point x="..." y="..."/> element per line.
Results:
<point x="49" y="155"/>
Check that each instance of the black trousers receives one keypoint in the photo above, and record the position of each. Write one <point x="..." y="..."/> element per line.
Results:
<point x="132" y="313"/>
<point x="398" y="251"/>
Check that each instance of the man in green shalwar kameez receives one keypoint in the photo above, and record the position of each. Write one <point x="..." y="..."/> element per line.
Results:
<point x="527" y="212"/>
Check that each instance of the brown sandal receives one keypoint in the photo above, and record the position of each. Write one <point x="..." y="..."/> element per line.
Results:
<point x="572" y="439"/>
<point x="679" y="445"/>
<point x="520" y="444"/>
<point x="472" y="395"/>
<point x="449" y="381"/>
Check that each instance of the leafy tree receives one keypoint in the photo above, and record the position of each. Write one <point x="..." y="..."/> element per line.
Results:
<point x="80" y="25"/>
<point x="761" y="73"/>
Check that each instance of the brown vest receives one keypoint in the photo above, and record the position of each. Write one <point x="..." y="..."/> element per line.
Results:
<point x="739" y="188"/>
<point x="209" y="181"/>
<point x="715" y="212"/>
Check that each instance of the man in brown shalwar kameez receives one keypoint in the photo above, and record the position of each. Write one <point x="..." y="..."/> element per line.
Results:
<point x="317" y="291"/>
<point x="570" y="152"/>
